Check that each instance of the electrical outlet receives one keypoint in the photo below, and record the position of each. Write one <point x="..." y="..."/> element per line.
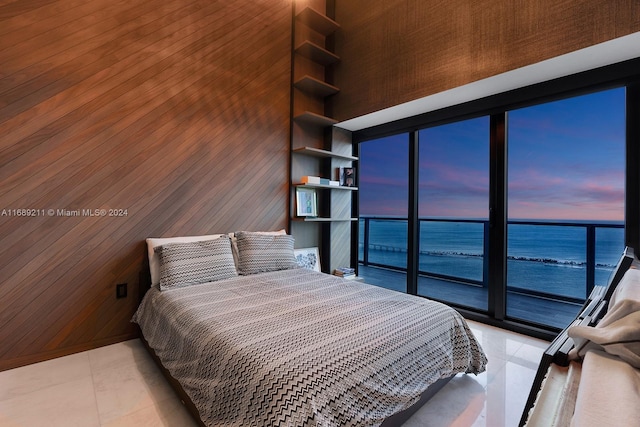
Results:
<point x="121" y="290"/>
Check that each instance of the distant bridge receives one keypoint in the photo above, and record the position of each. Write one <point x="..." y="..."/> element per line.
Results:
<point x="386" y="248"/>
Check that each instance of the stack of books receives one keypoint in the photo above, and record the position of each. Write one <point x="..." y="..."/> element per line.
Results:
<point x="345" y="272"/>
<point x="317" y="180"/>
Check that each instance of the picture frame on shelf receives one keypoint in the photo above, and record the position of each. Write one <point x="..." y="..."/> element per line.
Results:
<point x="347" y="176"/>
<point x="308" y="258"/>
<point x="306" y="202"/>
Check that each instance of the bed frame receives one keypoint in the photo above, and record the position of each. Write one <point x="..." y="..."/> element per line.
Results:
<point x="395" y="420"/>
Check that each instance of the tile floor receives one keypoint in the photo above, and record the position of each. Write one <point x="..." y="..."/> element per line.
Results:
<point x="119" y="385"/>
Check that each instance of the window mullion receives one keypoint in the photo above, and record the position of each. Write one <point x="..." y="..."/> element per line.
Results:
<point x="632" y="191"/>
<point x="413" y="225"/>
<point x="497" y="270"/>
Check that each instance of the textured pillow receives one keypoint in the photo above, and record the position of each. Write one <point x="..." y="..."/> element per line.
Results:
<point x="183" y="264"/>
<point x="234" y="240"/>
<point x="258" y="253"/>
<point x="154" y="261"/>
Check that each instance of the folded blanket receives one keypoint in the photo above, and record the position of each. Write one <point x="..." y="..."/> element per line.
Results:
<point x="618" y="333"/>
<point x="628" y="288"/>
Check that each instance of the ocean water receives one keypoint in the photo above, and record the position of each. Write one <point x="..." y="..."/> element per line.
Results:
<point x="542" y="258"/>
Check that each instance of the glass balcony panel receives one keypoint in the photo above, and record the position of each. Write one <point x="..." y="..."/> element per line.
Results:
<point x="388" y="243"/>
<point x="452" y="248"/>
<point x="547" y="260"/>
<point x="609" y="244"/>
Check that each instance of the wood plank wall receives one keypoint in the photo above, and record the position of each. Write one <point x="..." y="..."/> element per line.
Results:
<point x="176" y="111"/>
<point x="396" y="51"/>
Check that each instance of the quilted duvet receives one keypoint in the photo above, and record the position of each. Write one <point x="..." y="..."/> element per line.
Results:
<point x="301" y="348"/>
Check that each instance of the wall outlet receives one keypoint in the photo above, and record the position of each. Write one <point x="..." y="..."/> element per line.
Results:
<point x="121" y="290"/>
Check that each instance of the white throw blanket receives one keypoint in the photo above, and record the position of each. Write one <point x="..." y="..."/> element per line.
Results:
<point x="608" y="393"/>
<point x="618" y="333"/>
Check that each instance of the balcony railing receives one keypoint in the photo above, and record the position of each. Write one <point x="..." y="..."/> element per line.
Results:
<point x="394" y="248"/>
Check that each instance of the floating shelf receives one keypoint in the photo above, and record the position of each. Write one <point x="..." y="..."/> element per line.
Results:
<point x="316" y="152"/>
<point x="317" y="21"/>
<point x="310" y="118"/>
<point x="333" y="187"/>
<point x="316" y="53"/>
<point x="315" y="87"/>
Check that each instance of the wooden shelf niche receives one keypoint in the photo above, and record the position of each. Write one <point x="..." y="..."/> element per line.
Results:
<point x="310" y="129"/>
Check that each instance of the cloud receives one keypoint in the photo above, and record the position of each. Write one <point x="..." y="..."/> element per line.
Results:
<point x="381" y="180"/>
<point x="567" y="199"/>
<point x="566" y="161"/>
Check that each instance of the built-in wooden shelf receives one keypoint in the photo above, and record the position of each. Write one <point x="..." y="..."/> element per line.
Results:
<point x="310" y="118"/>
<point x="315" y="87"/>
<point x="317" y="21"/>
<point x="333" y="187"/>
<point x="311" y="89"/>
<point x="316" y="53"/>
<point x="317" y="152"/>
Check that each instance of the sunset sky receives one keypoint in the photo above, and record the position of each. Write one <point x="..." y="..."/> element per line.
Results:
<point x="566" y="161"/>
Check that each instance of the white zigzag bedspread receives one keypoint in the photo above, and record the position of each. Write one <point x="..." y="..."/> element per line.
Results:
<point x="301" y="348"/>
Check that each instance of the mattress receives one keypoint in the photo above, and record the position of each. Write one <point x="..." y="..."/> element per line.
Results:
<point x="302" y="348"/>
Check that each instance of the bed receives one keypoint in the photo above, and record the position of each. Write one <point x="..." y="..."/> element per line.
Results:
<point x="268" y="343"/>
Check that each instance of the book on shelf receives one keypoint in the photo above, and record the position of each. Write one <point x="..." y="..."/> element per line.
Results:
<point x="310" y="179"/>
<point x="317" y="180"/>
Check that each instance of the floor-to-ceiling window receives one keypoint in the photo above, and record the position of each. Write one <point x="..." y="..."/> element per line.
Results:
<point x="565" y="166"/>
<point x="565" y="180"/>
<point x="383" y="194"/>
<point x="453" y="211"/>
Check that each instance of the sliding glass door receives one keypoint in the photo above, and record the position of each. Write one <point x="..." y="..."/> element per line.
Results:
<point x="383" y="198"/>
<point x="453" y="212"/>
<point x="566" y="164"/>
<point x="555" y="176"/>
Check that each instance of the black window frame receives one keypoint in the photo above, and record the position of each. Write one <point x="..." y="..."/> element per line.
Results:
<point x="623" y="74"/>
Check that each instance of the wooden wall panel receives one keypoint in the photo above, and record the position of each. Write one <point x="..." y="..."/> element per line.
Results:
<point x="396" y="51"/>
<point x="175" y="110"/>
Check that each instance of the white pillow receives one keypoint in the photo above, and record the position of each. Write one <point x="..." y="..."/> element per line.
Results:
<point x="154" y="260"/>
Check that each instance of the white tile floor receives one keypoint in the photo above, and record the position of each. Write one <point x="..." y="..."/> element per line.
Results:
<point x="119" y="385"/>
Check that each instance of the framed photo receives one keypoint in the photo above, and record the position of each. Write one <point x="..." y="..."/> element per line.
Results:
<point x="308" y="258"/>
<point x="306" y="202"/>
<point x="347" y="177"/>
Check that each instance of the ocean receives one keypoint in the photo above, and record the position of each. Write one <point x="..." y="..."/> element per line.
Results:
<point x="541" y="258"/>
